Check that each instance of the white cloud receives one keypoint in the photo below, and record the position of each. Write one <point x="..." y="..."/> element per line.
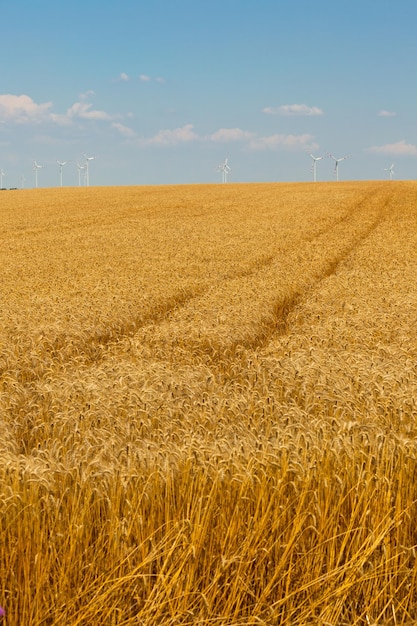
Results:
<point x="61" y="119"/>
<point x="22" y="109"/>
<point x="251" y="141"/>
<point x="224" y="135"/>
<point x="123" y="130"/>
<point x="400" y="148"/>
<point x="185" y="134"/>
<point x="87" y="94"/>
<point x="293" y="109"/>
<point x="168" y="137"/>
<point x="384" y="113"/>
<point x="292" y="142"/>
<point x="84" y="111"/>
<point x="145" y="78"/>
<point x="123" y="76"/>
<point x="81" y="110"/>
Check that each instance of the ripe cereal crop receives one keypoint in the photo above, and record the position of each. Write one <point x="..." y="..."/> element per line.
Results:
<point x="208" y="402"/>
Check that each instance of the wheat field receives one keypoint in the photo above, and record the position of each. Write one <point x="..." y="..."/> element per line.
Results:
<point x="208" y="405"/>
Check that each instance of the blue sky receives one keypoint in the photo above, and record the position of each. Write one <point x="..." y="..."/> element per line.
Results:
<point x="163" y="91"/>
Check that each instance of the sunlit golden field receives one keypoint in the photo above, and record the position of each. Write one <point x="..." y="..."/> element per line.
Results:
<point x="208" y="405"/>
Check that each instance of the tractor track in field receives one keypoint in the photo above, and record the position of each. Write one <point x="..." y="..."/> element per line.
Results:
<point x="285" y="307"/>
<point x="277" y="324"/>
<point x="93" y="347"/>
<point x="282" y="309"/>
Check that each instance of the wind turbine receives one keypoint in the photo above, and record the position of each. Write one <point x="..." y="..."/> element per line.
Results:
<point x="87" y="175"/>
<point x="22" y="182"/>
<point x="80" y="168"/>
<point x="61" y="165"/>
<point x="36" y="167"/>
<point x="224" y="168"/>
<point x="390" y="169"/>
<point x="315" y="159"/>
<point x="2" y="173"/>
<point x="336" y="164"/>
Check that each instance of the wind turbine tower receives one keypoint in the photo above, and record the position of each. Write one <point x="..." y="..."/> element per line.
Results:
<point x="80" y="168"/>
<point x="315" y="159"/>
<point x="224" y="168"/>
<point x="61" y="165"/>
<point x="389" y="169"/>
<point x="87" y="174"/>
<point x="36" y="167"/>
<point x="1" y="177"/>
<point x="336" y="163"/>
